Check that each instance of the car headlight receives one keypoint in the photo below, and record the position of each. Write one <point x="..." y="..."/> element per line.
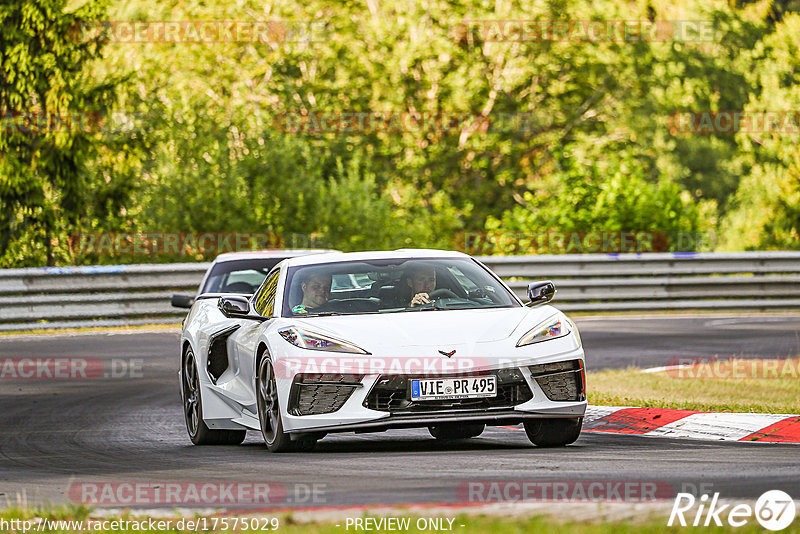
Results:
<point x="553" y="328"/>
<point x="314" y="341"/>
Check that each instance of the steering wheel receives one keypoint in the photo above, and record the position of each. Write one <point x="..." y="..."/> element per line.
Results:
<point x="324" y="308"/>
<point x="442" y="293"/>
<point x="480" y="293"/>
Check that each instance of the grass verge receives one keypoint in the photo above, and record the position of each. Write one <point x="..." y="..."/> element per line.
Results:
<point x="766" y="386"/>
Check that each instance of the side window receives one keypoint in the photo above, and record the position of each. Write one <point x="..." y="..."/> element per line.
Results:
<point x="264" y="299"/>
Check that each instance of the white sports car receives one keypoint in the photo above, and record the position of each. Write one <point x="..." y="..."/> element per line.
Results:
<point x="369" y="341"/>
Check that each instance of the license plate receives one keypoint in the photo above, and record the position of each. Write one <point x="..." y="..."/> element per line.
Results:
<point x="474" y="387"/>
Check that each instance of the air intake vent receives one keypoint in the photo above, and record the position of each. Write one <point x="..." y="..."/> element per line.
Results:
<point x="560" y="381"/>
<point x="314" y="394"/>
<point x="218" y="353"/>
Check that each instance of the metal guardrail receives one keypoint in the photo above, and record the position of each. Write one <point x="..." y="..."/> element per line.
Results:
<point x="107" y="295"/>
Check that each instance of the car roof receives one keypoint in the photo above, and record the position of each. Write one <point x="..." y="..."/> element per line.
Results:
<point x="404" y="253"/>
<point x="269" y="254"/>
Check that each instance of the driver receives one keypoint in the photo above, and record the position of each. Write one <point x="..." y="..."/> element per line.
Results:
<point x="316" y="292"/>
<point x="422" y="281"/>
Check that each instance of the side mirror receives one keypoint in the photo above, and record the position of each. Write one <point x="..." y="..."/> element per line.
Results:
<point x="234" y="306"/>
<point x="179" y="300"/>
<point x="541" y="292"/>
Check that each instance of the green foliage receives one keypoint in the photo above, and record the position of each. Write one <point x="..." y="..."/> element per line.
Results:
<point x="50" y="104"/>
<point x="766" y="214"/>
<point x="610" y="195"/>
<point x="554" y="135"/>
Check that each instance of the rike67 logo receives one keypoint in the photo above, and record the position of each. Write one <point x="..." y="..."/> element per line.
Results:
<point x="774" y="510"/>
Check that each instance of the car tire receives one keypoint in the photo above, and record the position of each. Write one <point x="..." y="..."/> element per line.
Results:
<point x="553" y="432"/>
<point x="196" y="427"/>
<point x="453" y="431"/>
<point x="269" y="414"/>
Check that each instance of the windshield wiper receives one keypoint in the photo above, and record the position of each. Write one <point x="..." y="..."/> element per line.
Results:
<point x="435" y="307"/>
<point x="324" y="314"/>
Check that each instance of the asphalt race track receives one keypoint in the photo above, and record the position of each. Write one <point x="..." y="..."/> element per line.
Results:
<point x="129" y="428"/>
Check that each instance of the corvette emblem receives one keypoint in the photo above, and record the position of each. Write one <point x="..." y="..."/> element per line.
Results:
<point x="448" y="354"/>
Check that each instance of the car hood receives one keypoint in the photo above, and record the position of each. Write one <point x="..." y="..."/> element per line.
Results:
<point x="427" y="328"/>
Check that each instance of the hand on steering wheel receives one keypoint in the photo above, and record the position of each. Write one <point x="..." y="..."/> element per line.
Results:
<point x="428" y="298"/>
<point x="420" y="299"/>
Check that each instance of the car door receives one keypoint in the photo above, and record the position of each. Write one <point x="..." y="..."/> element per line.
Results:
<point x="244" y="342"/>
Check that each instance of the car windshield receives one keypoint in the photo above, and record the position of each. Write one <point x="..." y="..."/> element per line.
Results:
<point x="388" y="286"/>
<point x="238" y="276"/>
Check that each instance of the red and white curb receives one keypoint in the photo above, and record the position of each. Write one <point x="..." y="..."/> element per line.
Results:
<point x="761" y="427"/>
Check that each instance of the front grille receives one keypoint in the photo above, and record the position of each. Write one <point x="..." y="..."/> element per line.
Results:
<point x="314" y="394"/>
<point x="560" y="381"/>
<point x="393" y="394"/>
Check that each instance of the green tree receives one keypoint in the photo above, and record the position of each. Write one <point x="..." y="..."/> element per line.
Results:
<point x="555" y="134"/>
<point x="766" y="210"/>
<point x="610" y="195"/>
<point x="52" y="107"/>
